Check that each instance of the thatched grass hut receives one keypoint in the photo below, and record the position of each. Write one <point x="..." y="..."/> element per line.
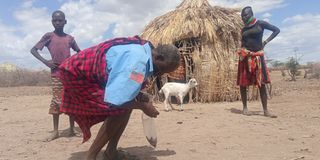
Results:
<point x="207" y="38"/>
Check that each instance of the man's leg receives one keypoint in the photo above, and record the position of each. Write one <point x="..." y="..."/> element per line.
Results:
<point x="71" y="130"/>
<point x="111" y="150"/>
<point x="264" y="101"/>
<point x="56" y="87"/>
<point x="102" y="138"/>
<point x="55" y="133"/>
<point x="108" y="131"/>
<point x="243" y="93"/>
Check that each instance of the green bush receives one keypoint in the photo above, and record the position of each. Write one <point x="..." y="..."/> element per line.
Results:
<point x="293" y="66"/>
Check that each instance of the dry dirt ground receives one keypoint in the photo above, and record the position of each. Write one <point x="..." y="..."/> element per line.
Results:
<point x="215" y="131"/>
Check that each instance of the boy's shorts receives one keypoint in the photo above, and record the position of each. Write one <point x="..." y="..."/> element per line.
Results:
<point x="57" y="87"/>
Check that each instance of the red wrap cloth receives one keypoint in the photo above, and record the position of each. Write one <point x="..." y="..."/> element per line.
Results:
<point x="84" y="79"/>
<point x="252" y="69"/>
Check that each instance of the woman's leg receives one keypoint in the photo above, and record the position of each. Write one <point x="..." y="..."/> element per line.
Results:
<point x="264" y="101"/>
<point x="243" y="93"/>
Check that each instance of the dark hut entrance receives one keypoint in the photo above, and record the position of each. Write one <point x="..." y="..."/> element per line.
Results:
<point x="186" y="69"/>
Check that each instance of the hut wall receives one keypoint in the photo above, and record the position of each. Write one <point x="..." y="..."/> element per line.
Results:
<point x="215" y="71"/>
<point x="214" y="35"/>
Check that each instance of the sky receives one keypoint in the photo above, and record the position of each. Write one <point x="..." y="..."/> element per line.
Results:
<point x="23" y="22"/>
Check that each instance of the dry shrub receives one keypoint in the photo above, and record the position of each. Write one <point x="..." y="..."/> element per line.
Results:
<point x="24" y="77"/>
<point x="315" y="70"/>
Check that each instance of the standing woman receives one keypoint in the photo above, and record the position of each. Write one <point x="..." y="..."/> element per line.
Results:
<point x="252" y="69"/>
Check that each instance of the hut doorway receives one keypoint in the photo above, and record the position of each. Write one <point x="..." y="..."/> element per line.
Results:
<point x="187" y="47"/>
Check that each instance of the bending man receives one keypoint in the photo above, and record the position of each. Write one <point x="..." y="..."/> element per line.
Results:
<point x="101" y="83"/>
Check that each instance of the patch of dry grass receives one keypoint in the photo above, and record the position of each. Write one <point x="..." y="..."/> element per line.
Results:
<point x="24" y="77"/>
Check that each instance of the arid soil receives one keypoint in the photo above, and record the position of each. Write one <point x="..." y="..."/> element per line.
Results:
<point x="215" y="131"/>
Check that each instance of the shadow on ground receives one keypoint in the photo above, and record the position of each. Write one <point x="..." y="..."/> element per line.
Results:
<point x="251" y="113"/>
<point x="66" y="132"/>
<point x="142" y="152"/>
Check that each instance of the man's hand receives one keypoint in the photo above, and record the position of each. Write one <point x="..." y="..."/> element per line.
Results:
<point x="150" y="110"/>
<point x="51" y="65"/>
<point x="264" y="43"/>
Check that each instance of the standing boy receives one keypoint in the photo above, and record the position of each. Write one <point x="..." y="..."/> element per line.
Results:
<point x="58" y="44"/>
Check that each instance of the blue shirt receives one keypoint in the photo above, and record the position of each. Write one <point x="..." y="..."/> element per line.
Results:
<point x="128" y="66"/>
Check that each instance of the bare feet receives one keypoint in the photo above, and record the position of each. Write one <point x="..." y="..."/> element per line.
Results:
<point x="245" y="112"/>
<point x="268" y="114"/>
<point x="110" y="155"/>
<point x="71" y="132"/>
<point x="119" y="155"/>
<point x="91" y="157"/>
<point x="53" y="136"/>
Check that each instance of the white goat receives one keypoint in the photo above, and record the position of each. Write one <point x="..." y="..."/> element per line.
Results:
<point x="179" y="90"/>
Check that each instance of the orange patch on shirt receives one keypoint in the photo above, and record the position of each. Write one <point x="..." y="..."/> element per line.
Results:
<point x="138" y="77"/>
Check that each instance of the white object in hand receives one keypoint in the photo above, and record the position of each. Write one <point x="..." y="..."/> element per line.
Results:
<point x="149" y="128"/>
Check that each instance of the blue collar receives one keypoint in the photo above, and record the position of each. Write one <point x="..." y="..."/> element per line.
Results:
<point x="148" y="50"/>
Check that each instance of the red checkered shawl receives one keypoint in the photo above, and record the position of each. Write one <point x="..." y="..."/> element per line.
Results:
<point x="252" y="69"/>
<point x="84" y="79"/>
